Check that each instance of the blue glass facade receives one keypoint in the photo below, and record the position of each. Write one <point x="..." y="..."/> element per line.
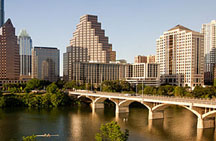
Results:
<point x="25" y="43"/>
<point x="1" y="12"/>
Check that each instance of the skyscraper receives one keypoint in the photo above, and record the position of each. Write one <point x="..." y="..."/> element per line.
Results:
<point x="180" y="52"/>
<point x="89" y="35"/>
<point x="89" y="45"/>
<point x="1" y="12"/>
<point x="73" y="54"/>
<point x="9" y="53"/>
<point x="45" y="63"/>
<point x="25" y="43"/>
<point x="209" y="31"/>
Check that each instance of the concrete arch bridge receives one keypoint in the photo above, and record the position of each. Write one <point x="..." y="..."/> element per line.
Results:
<point x="205" y="110"/>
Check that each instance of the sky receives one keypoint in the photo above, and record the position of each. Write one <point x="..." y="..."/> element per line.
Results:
<point x="131" y="25"/>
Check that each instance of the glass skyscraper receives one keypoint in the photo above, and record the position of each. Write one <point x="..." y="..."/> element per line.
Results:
<point x="45" y="63"/>
<point x="1" y="12"/>
<point x="25" y="43"/>
<point x="209" y="31"/>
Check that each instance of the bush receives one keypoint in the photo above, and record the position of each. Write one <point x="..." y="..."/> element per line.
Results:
<point x="111" y="132"/>
<point x="52" y="88"/>
<point x="29" y="138"/>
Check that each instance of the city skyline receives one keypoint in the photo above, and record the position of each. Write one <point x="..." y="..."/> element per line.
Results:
<point x="126" y="34"/>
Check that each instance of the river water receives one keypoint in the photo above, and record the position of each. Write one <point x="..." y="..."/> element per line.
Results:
<point x="80" y="124"/>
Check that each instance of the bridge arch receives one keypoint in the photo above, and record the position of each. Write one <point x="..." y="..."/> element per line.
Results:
<point x="102" y="99"/>
<point x="87" y="97"/>
<point x="209" y="114"/>
<point x="164" y="105"/>
<point x="126" y="103"/>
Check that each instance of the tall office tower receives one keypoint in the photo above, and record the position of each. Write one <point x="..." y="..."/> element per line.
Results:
<point x="1" y="12"/>
<point x="25" y="43"/>
<point x="209" y="31"/>
<point x="151" y="59"/>
<point x="73" y="54"/>
<point x="45" y="63"/>
<point x="9" y="52"/>
<point x="89" y="35"/>
<point x="180" y="52"/>
<point x="140" y="59"/>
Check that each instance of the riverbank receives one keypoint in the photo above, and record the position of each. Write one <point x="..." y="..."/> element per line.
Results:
<point x="36" y="100"/>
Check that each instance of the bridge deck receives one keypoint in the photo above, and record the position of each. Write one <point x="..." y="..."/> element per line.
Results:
<point x="204" y="103"/>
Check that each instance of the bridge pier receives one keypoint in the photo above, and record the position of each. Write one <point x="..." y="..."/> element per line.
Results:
<point x="155" y="114"/>
<point x="97" y="105"/>
<point x="122" y="109"/>
<point x="205" y="123"/>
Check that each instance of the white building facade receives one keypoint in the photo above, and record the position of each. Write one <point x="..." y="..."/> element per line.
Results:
<point x="209" y="31"/>
<point x="180" y="53"/>
<point x="143" y="73"/>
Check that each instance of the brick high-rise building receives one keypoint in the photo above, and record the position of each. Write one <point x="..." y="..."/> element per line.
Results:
<point x="9" y="53"/>
<point x="89" y="35"/>
<point x="140" y="59"/>
<point x="180" y="52"/>
<point x="73" y="54"/>
<point x="151" y="59"/>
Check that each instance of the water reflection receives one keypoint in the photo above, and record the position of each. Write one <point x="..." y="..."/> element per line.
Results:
<point x="80" y="124"/>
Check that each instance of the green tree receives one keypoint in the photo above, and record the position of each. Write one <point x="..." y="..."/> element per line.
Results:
<point x="35" y="101"/>
<point x="1" y="93"/>
<point x="57" y="99"/>
<point x="198" y="91"/>
<point x="33" y="84"/>
<point x="125" y="86"/>
<point x="140" y="87"/>
<point x="179" y="91"/>
<point x="60" y="83"/>
<point x="107" y="86"/>
<point x="46" y="100"/>
<point x="111" y="132"/>
<point x="89" y="86"/>
<point x="2" y="101"/>
<point x="70" y="85"/>
<point x="215" y="82"/>
<point x="29" y="138"/>
<point x="52" y="88"/>
<point x="148" y="90"/>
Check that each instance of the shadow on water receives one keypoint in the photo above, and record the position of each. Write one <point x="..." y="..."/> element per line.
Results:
<point x="80" y="123"/>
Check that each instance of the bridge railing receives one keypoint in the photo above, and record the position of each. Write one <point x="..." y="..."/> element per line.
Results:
<point x="157" y="97"/>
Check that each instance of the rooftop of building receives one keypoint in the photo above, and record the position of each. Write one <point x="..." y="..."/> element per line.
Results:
<point x="24" y="33"/>
<point x="180" y="27"/>
<point x="8" y="22"/>
<point x="88" y="15"/>
<point x="36" y="47"/>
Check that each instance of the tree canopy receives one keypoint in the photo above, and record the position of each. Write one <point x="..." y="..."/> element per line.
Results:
<point x="112" y="132"/>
